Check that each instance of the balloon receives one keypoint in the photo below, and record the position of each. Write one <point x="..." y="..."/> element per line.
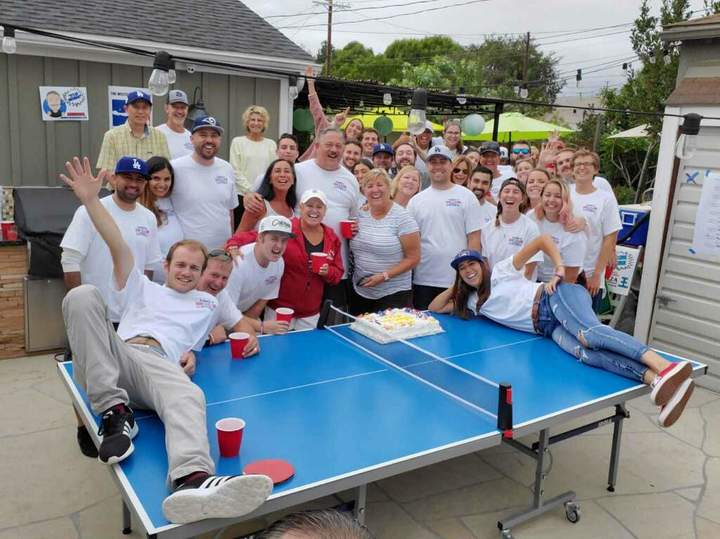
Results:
<point x="303" y="120"/>
<point x="383" y="125"/>
<point x="473" y="124"/>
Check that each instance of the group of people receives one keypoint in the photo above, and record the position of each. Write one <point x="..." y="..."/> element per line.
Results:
<point x="189" y="247"/>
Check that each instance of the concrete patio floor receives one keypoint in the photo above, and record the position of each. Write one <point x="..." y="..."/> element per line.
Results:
<point x="669" y="481"/>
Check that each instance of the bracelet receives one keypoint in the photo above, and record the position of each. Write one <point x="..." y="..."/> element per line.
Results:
<point x="385" y="275"/>
<point x="261" y="327"/>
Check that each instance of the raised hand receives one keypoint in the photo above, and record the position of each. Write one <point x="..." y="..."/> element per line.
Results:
<point x="85" y="186"/>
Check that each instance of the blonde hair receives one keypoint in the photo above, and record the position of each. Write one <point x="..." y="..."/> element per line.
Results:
<point x="462" y="159"/>
<point x="256" y="109"/>
<point x="565" y="210"/>
<point x="396" y="180"/>
<point x="374" y="174"/>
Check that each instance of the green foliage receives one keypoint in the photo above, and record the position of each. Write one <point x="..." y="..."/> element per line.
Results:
<point x="624" y="194"/>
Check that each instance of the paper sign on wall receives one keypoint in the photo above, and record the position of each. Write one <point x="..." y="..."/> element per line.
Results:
<point x="63" y="103"/>
<point x="117" y="96"/>
<point x="706" y="236"/>
<point x="621" y="278"/>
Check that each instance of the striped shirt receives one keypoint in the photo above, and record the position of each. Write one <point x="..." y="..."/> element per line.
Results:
<point x="377" y="247"/>
<point x="120" y="141"/>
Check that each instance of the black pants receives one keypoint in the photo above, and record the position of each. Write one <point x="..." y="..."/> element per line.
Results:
<point x="398" y="300"/>
<point x="338" y="294"/>
<point x="238" y="213"/>
<point x="423" y="295"/>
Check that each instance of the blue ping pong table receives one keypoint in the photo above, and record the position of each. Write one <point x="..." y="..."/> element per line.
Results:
<point x="330" y="402"/>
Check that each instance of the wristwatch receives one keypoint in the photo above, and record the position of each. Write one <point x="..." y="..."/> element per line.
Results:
<point x="385" y="275"/>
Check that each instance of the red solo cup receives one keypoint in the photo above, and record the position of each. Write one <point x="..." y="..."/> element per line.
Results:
<point x="9" y="232"/>
<point x="238" y="342"/>
<point x="230" y="433"/>
<point x="318" y="259"/>
<point x="284" y="314"/>
<point x="346" y="228"/>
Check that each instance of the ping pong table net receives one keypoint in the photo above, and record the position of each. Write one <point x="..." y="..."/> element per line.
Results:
<point x="470" y="389"/>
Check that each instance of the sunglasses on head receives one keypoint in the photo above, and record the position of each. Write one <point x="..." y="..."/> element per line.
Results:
<point x="521" y="151"/>
<point x="220" y="254"/>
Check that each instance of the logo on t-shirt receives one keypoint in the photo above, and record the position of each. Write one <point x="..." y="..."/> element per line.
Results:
<point x="590" y="208"/>
<point x="142" y="231"/>
<point x="221" y="180"/>
<point x="453" y="203"/>
<point x="188" y="146"/>
<point x="515" y="241"/>
<point x="340" y="186"/>
<point x="270" y="280"/>
<point x="202" y="303"/>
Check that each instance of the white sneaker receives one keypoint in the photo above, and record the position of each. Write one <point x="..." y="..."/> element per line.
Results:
<point x="672" y="411"/>
<point x="218" y="496"/>
<point x="667" y="382"/>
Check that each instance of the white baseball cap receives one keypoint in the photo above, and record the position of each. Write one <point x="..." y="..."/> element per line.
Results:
<point x="313" y="193"/>
<point x="276" y="223"/>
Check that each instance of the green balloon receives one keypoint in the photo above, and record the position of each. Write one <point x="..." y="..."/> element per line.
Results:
<point x="303" y="120"/>
<point x="383" y="125"/>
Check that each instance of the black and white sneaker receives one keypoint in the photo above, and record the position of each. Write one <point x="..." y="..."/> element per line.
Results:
<point x="217" y="496"/>
<point x="85" y="442"/>
<point x="118" y="428"/>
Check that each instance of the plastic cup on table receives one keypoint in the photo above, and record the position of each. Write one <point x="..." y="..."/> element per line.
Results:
<point x="346" y="228"/>
<point x="230" y="434"/>
<point x="284" y="314"/>
<point x="318" y="259"/>
<point x="238" y="342"/>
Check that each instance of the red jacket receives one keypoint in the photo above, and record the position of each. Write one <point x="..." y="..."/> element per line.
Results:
<point x="300" y="288"/>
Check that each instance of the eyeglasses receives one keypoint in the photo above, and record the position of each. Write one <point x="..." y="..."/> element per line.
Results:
<point x="220" y="254"/>
<point x="521" y="151"/>
<point x="458" y="170"/>
<point x="584" y="164"/>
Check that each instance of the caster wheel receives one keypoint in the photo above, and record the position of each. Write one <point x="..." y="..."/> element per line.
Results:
<point x="506" y="534"/>
<point x="572" y="512"/>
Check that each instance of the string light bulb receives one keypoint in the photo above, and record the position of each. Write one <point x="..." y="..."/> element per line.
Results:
<point x="9" y="46"/>
<point x="159" y="82"/>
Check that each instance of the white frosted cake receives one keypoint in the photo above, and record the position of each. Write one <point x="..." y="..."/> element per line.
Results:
<point x="394" y="324"/>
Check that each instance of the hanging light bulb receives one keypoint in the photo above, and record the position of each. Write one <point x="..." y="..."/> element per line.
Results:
<point x="417" y="118"/>
<point x="172" y="74"/>
<point x="361" y="105"/>
<point x="293" y="87"/>
<point x="9" y="46"/>
<point x="300" y="84"/>
<point x="667" y="57"/>
<point x="159" y="82"/>
<point x="578" y="78"/>
<point x="524" y="92"/>
<point x="387" y="99"/>
<point x="686" y="144"/>
<point x="461" y="97"/>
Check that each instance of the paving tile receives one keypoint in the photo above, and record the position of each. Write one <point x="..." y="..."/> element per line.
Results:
<point x="707" y="529"/>
<point x="22" y="372"/>
<point x="441" y="477"/>
<point x="489" y="496"/>
<point x="595" y="523"/>
<point x="54" y="388"/>
<point x="16" y="417"/>
<point x="711" y="413"/>
<point x="690" y="427"/>
<point x="691" y="494"/>
<point x="59" y="527"/>
<point x="104" y="519"/>
<point x="56" y="479"/>
<point x="387" y="520"/>
<point x="655" y="516"/>
<point x="709" y="507"/>
<point x="701" y="397"/>
<point x="451" y="528"/>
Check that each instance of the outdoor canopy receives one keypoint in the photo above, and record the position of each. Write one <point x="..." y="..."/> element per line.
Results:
<point x="399" y="121"/>
<point x="517" y="126"/>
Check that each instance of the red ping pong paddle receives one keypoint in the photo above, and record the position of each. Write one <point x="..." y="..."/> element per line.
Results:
<point x="276" y="469"/>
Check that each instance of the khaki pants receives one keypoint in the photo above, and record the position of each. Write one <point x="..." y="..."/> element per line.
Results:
<point x="112" y="371"/>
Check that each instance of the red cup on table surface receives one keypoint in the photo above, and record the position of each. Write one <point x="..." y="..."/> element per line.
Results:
<point x="346" y="228"/>
<point x="318" y="259"/>
<point x="9" y="231"/>
<point x="238" y="342"/>
<point x="230" y="433"/>
<point x="284" y="314"/>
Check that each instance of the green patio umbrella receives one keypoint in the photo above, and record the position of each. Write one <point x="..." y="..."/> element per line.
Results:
<point x="399" y="121"/>
<point x="517" y="126"/>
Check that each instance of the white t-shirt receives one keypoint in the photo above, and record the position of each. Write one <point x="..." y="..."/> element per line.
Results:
<point x="511" y="297"/>
<point x="497" y="182"/>
<point x="178" y="143"/>
<point x="227" y="314"/>
<point x="139" y="230"/>
<point x="178" y="321"/>
<point x="500" y="242"/>
<point x="250" y="282"/>
<point x="445" y="218"/>
<point x="203" y="197"/>
<point x="572" y="247"/>
<point x="599" y="183"/>
<point x="342" y="192"/>
<point x="169" y="233"/>
<point x="488" y="212"/>
<point x="601" y="213"/>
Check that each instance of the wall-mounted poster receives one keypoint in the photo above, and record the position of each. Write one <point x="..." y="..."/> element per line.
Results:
<point x="63" y="103"/>
<point x="116" y="103"/>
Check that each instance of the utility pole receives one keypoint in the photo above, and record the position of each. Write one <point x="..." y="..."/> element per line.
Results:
<point x="328" y="46"/>
<point x="526" y="58"/>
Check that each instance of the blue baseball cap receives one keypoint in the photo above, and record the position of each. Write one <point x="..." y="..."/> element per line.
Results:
<point x="131" y="165"/>
<point x="439" y="151"/>
<point x="207" y="121"/>
<point x="138" y="95"/>
<point x="466" y="254"/>
<point x="383" y="147"/>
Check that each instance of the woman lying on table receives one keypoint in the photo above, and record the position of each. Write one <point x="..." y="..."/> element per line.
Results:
<point x="563" y="312"/>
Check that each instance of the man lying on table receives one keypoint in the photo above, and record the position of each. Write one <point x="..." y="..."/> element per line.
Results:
<point x="143" y="364"/>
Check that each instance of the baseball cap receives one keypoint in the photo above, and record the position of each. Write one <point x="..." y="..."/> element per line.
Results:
<point x="131" y="165"/>
<point x="138" y="95"/>
<point x="177" y="96"/>
<point x="276" y="223"/>
<point x="313" y="193"/>
<point x="439" y="151"/>
<point x="207" y="121"/>
<point x="504" y="152"/>
<point x="466" y="254"/>
<point x="383" y="147"/>
<point x="490" y="146"/>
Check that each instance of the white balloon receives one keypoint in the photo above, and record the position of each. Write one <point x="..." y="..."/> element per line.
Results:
<point x="473" y="124"/>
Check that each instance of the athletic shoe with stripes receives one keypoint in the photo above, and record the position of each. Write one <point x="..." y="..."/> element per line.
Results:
<point x="668" y="381"/>
<point x="118" y="428"/>
<point x="672" y="411"/>
<point x="217" y="496"/>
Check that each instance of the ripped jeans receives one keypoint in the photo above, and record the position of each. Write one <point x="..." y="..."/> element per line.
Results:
<point x="567" y="315"/>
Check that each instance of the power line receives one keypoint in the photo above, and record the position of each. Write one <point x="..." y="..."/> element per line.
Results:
<point x="348" y="10"/>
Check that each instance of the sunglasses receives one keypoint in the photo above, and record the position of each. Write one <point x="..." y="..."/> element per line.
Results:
<point x="457" y="170"/>
<point x="521" y="151"/>
<point x="220" y="254"/>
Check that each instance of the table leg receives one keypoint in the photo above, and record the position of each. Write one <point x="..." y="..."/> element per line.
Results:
<point x="621" y="413"/>
<point x="360" y="501"/>
<point x="127" y="519"/>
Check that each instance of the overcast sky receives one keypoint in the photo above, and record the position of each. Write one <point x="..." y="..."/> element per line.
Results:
<point x="545" y="20"/>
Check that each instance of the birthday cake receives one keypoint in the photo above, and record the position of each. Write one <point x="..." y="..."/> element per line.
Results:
<point x="395" y="324"/>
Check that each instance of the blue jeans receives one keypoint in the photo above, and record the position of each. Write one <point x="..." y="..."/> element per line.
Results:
<point x="567" y="314"/>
